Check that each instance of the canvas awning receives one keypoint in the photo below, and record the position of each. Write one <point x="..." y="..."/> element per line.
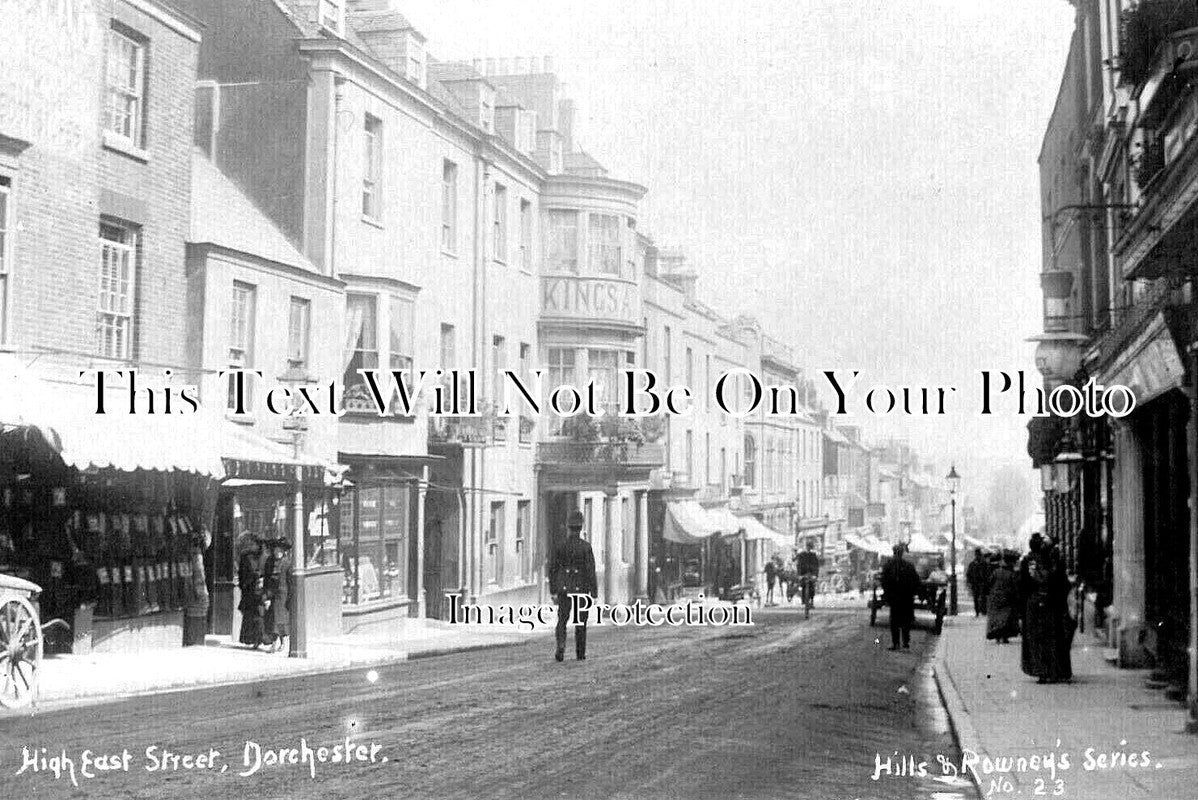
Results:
<point x="755" y="529"/>
<point x="688" y="523"/>
<point x="197" y="442"/>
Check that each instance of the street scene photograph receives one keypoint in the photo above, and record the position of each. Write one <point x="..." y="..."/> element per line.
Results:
<point x="599" y="399"/>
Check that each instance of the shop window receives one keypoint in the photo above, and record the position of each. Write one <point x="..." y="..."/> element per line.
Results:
<point x="605" y="252"/>
<point x="523" y="531"/>
<point x="561" y="241"/>
<point x="126" y="84"/>
<point x="374" y="555"/>
<point x="362" y="351"/>
<point x="118" y="274"/>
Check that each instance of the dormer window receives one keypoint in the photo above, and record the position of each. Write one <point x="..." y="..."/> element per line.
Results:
<point x="331" y="15"/>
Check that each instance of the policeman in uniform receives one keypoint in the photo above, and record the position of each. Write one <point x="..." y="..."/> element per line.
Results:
<point x="572" y="570"/>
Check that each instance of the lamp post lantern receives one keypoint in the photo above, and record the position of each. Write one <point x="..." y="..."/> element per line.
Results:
<point x="953" y="481"/>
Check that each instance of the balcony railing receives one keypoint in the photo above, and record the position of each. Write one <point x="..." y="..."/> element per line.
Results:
<point x="642" y="454"/>
<point x="459" y="430"/>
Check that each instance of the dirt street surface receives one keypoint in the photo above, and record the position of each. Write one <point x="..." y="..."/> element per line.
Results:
<point x="788" y="708"/>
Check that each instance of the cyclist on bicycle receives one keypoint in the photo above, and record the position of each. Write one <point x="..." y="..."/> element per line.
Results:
<point x="807" y="563"/>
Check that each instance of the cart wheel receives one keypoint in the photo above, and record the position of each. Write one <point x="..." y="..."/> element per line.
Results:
<point x="20" y="653"/>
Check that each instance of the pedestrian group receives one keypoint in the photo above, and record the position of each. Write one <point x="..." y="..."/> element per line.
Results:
<point x="264" y="576"/>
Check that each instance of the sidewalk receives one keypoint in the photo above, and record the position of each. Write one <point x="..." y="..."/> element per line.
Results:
<point x="998" y="712"/>
<point x="73" y="680"/>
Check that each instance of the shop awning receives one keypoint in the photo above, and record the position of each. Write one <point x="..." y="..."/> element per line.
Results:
<point x="687" y="523"/>
<point x="198" y="442"/>
<point x="755" y="529"/>
<point x="724" y="521"/>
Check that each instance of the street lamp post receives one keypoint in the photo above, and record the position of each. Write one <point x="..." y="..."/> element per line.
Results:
<point x="953" y="480"/>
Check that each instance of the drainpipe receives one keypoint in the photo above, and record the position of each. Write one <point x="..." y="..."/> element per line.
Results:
<point x="1192" y="447"/>
<point x="338" y="102"/>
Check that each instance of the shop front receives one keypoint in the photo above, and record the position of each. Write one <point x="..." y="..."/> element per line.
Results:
<point x="1151" y="486"/>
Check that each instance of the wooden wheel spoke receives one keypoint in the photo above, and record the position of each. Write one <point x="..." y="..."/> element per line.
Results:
<point x="19" y="669"/>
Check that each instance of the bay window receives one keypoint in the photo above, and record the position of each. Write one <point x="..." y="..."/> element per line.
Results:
<point x="361" y="349"/>
<point x="605" y="251"/>
<point x="561" y="241"/>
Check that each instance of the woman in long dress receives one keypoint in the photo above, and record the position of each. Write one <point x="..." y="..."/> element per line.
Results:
<point x="276" y="586"/>
<point x="1002" y="602"/>
<point x="250" y="581"/>
<point x="1047" y="634"/>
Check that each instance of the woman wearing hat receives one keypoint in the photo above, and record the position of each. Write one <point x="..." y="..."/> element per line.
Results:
<point x="276" y="587"/>
<point x="250" y="581"/>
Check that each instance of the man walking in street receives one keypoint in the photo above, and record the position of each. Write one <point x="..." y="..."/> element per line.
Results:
<point x="900" y="584"/>
<point x="572" y="571"/>
<point x="977" y="575"/>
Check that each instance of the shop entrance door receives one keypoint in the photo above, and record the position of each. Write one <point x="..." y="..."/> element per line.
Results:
<point x="434" y="585"/>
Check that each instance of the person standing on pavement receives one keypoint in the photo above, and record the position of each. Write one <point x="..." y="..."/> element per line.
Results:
<point x="900" y="584"/>
<point x="195" y="613"/>
<point x="1002" y="620"/>
<point x="276" y="588"/>
<point x="250" y="582"/>
<point x="1047" y="631"/>
<point x="572" y="571"/>
<point x="977" y="575"/>
<point x="771" y="576"/>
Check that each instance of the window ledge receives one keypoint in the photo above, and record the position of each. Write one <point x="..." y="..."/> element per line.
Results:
<point x="372" y="222"/>
<point x="120" y="144"/>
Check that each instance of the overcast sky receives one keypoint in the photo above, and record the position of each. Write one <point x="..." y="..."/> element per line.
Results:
<point x="860" y="175"/>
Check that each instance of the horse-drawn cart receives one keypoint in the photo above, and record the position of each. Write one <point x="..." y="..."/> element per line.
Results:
<point x="933" y="590"/>
<point x="20" y="642"/>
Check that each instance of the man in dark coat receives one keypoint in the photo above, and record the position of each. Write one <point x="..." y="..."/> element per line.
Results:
<point x="977" y="575"/>
<point x="900" y="585"/>
<point x="572" y="571"/>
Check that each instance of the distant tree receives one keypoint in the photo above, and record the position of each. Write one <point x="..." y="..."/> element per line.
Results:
<point x="1012" y="498"/>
